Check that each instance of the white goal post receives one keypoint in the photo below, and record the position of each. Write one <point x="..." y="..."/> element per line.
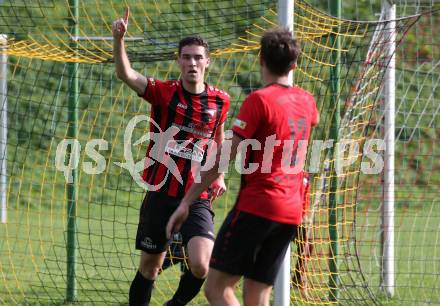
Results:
<point x="282" y="282"/>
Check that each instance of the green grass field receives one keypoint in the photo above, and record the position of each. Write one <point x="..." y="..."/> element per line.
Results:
<point x="34" y="249"/>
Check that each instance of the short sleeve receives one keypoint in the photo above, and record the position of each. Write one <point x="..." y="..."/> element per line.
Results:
<point x="249" y="116"/>
<point x="155" y="91"/>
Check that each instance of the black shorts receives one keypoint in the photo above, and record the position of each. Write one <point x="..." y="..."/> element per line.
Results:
<point x="251" y="246"/>
<point x="155" y="212"/>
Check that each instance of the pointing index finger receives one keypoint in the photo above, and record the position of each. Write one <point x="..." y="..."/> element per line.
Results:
<point x="126" y="15"/>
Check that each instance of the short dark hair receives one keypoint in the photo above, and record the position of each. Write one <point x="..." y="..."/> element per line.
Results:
<point x="279" y="50"/>
<point x="193" y="40"/>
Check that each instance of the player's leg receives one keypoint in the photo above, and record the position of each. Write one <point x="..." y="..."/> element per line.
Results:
<point x="152" y="241"/>
<point x="198" y="236"/>
<point x="235" y="248"/>
<point x="199" y="254"/>
<point x="191" y="281"/>
<point x="256" y="293"/>
<point x="268" y="257"/>
<point x="220" y="287"/>
<point x="142" y="285"/>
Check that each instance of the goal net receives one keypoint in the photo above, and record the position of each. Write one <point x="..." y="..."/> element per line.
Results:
<point x="43" y="58"/>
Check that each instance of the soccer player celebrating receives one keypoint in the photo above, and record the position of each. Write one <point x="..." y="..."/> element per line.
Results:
<point x="198" y="111"/>
<point x="254" y="237"/>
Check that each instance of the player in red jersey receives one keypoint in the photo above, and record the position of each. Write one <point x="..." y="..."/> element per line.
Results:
<point x="256" y="233"/>
<point x="187" y="116"/>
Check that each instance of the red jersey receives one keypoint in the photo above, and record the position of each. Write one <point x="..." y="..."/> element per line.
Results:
<point x="281" y="116"/>
<point x="197" y="117"/>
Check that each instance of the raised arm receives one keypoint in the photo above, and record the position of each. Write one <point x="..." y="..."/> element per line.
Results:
<point x="124" y="72"/>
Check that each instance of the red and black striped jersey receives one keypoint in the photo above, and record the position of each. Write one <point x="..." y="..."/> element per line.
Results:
<point x="183" y="124"/>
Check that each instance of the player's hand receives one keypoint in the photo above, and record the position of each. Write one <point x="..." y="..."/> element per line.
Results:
<point x="120" y="26"/>
<point x="176" y="220"/>
<point x="218" y="188"/>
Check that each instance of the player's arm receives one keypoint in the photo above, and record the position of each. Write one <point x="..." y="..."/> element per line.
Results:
<point x="124" y="72"/>
<point x="220" y="134"/>
<point x="317" y="120"/>
<point x="219" y="186"/>
<point x="207" y="178"/>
